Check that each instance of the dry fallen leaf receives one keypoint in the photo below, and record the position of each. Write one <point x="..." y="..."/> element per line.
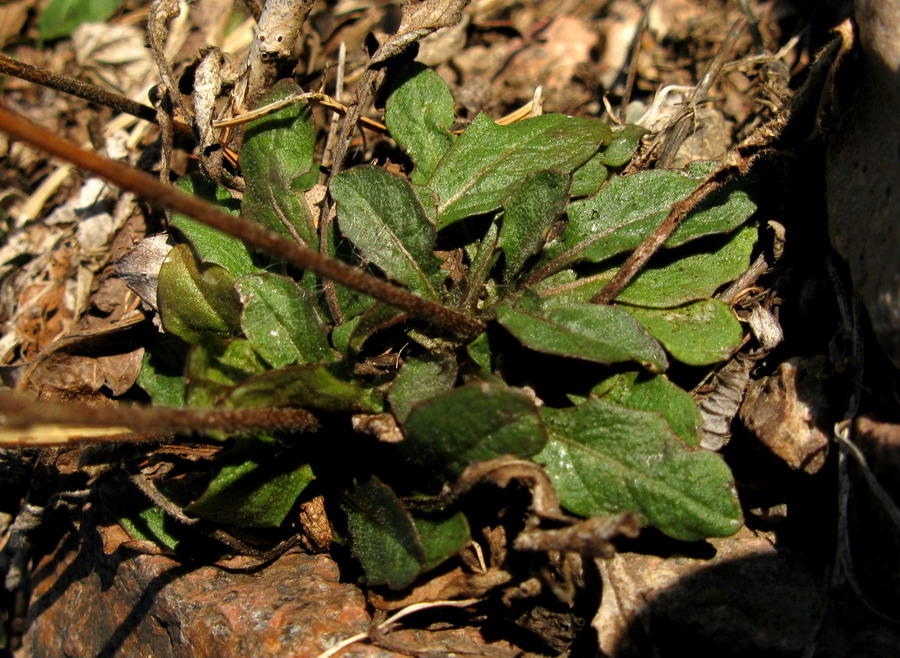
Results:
<point x="788" y="412"/>
<point x="419" y="20"/>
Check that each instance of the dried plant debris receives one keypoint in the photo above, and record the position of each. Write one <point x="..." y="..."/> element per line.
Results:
<point x="431" y="362"/>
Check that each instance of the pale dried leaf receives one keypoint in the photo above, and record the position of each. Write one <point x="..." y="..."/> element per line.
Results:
<point x="139" y="269"/>
<point x="419" y="20"/>
<point x="12" y="18"/>
<point x="115" y="56"/>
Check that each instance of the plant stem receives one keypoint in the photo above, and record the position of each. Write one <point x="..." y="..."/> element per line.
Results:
<point x="23" y="413"/>
<point x="254" y="235"/>
<point x="83" y="90"/>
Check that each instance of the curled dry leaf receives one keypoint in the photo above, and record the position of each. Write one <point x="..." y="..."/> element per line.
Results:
<point x="419" y="20"/>
<point x="720" y="407"/>
<point x="788" y="412"/>
<point x="383" y="426"/>
<point x="503" y="470"/>
<point x="451" y="585"/>
<point x="139" y="268"/>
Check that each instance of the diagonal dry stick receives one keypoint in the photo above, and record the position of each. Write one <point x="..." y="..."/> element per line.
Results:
<point x="75" y="87"/>
<point x="253" y="235"/>
<point x="733" y="165"/>
<point x="51" y="422"/>
<point x="778" y="130"/>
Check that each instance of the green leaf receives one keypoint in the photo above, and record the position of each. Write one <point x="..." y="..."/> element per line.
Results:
<point x="340" y="335"/>
<point x="310" y="386"/>
<point x="61" y="17"/>
<point x="253" y="488"/>
<point x="210" y="245"/>
<point x="154" y="525"/>
<point x="477" y="289"/>
<point x="377" y="317"/>
<point x="281" y="321"/>
<point x="528" y="215"/>
<point x="381" y="215"/>
<point x="694" y="276"/>
<point x="479" y="350"/>
<point x="474" y="422"/>
<point x="196" y="301"/>
<point x="278" y="149"/>
<point x="419" y="114"/>
<point x="166" y="389"/>
<point x="421" y="378"/>
<point x="644" y="392"/>
<point x="383" y="535"/>
<point x="698" y="334"/>
<point x="215" y="367"/>
<point x="625" y="141"/>
<point x="685" y="279"/>
<point x="488" y="161"/>
<point x="605" y="459"/>
<point x="629" y="208"/>
<point x="592" y="332"/>
<point x="590" y="176"/>
<point x="442" y="536"/>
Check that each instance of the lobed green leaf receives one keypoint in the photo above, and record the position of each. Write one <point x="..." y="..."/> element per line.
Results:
<point x="210" y="245"/>
<point x="693" y="276"/>
<point x="442" y="536"/>
<point x="474" y="422"/>
<point x="196" y="301"/>
<point x="307" y="386"/>
<point x="281" y="321"/>
<point x="419" y="114"/>
<point x="381" y="215"/>
<point x="592" y="332"/>
<point x="252" y="488"/>
<point x="383" y="535"/>
<point x="278" y="151"/>
<point x="689" y="276"/>
<point x="421" y="378"/>
<point x="528" y="215"/>
<point x="655" y="393"/>
<point x="629" y="208"/>
<point x="166" y="389"/>
<point x="605" y="459"/>
<point x="590" y="176"/>
<point x="214" y="368"/>
<point x="698" y="334"/>
<point x="488" y="161"/>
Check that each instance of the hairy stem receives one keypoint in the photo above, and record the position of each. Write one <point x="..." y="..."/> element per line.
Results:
<point x="254" y="235"/>
<point x="23" y="413"/>
<point x="83" y="90"/>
